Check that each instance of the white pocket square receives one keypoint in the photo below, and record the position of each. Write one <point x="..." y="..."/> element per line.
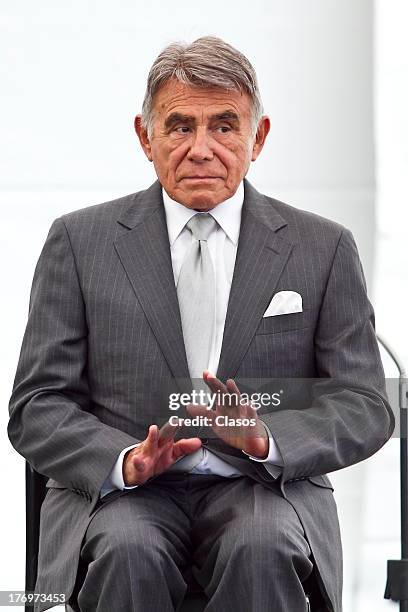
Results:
<point x="284" y="302"/>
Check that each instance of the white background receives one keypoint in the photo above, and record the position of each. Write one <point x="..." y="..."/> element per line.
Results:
<point x="333" y="76"/>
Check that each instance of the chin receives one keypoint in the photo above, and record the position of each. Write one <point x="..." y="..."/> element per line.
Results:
<point x="204" y="206"/>
<point x="203" y="201"/>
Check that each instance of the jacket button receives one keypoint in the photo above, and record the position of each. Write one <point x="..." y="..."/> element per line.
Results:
<point x="204" y="440"/>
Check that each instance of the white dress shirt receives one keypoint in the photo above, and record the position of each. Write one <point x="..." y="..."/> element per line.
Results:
<point x="222" y="245"/>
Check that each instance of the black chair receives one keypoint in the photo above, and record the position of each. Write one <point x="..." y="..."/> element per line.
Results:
<point x="195" y="599"/>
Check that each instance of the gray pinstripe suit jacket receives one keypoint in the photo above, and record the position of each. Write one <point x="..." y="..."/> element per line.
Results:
<point x="104" y="339"/>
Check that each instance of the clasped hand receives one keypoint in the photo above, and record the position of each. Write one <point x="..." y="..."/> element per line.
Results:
<point x="156" y="453"/>
<point x="239" y="425"/>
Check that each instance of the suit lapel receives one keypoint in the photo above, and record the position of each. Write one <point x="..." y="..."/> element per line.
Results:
<point x="261" y="258"/>
<point x="145" y="254"/>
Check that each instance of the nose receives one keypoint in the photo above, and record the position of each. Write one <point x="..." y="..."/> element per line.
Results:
<point x="200" y="148"/>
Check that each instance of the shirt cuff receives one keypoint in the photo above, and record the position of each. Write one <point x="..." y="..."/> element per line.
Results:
<point x="274" y="456"/>
<point x="115" y="479"/>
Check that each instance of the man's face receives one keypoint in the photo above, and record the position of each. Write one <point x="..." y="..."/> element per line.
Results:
<point x="202" y="142"/>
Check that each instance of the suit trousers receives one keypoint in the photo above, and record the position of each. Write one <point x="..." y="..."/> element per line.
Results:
<point x="244" y="542"/>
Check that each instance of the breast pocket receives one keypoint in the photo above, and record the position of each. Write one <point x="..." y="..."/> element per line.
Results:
<point x="285" y="322"/>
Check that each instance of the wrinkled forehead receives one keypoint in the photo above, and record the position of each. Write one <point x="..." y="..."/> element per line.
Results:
<point x="175" y="97"/>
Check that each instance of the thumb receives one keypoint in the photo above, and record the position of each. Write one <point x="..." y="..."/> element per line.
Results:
<point x="186" y="446"/>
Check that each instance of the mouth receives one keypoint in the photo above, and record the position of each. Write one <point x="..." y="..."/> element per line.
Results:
<point x="201" y="178"/>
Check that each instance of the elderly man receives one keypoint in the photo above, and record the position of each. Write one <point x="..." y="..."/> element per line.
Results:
<point x="198" y="283"/>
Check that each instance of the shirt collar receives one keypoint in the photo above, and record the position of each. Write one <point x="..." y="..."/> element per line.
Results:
<point x="227" y="214"/>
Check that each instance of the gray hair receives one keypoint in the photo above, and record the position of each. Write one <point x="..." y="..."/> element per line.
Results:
<point x="206" y="62"/>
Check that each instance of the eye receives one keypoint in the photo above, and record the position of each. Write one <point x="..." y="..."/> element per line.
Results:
<point x="224" y="129"/>
<point x="182" y="129"/>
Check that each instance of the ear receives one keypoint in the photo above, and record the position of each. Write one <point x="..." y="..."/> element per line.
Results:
<point x="143" y="137"/>
<point x="264" y="126"/>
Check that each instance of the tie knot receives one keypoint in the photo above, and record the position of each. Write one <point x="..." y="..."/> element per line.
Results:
<point x="201" y="225"/>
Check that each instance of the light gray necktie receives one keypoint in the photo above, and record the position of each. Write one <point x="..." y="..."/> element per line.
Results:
<point x="196" y="295"/>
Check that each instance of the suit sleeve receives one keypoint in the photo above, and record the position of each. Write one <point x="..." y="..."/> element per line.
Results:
<point x="349" y="417"/>
<point x="115" y="480"/>
<point x="51" y="422"/>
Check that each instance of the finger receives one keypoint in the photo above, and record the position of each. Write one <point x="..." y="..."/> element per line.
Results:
<point x="231" y="386"/>
<point x="152" y="439"/>
<point x="229" y="394"/>
<point x="168" y="431"/>
<point x="214" y="383"/>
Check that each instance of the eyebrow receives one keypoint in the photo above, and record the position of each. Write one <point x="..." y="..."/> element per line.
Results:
<point x="175" y="118"/>
<point x="226" y="116"/>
